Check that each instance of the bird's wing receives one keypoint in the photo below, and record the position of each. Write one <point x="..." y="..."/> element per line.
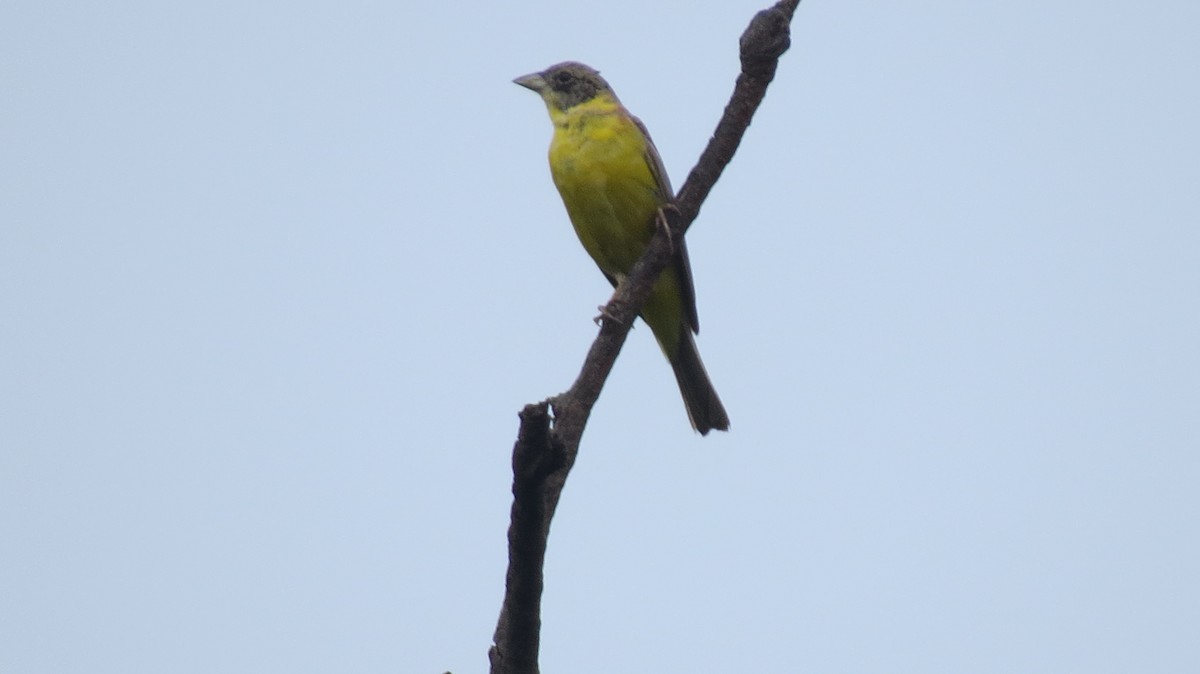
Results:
<point x="683" y="268"/>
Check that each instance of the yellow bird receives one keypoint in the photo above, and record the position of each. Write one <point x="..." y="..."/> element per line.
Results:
<point x="613" y="184"/>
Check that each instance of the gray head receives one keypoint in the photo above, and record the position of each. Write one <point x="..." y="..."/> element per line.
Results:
<point x="565" y="85"/>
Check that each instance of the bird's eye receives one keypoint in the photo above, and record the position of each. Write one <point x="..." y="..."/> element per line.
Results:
<point x="561" y="80"/>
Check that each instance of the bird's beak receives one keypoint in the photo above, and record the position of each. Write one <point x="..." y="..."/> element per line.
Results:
<point x="533" y="81"/>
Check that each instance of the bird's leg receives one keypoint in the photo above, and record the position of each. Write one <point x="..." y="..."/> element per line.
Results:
<point x="660" y="222"/>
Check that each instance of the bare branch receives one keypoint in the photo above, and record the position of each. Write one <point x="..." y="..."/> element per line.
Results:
<point x="764" y="41"/>
<point x="546" y="446"/>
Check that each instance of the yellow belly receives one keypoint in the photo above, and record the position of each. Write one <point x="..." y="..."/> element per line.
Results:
<point x="599" y="166"/>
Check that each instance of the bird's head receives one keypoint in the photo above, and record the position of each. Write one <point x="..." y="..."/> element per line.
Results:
<point x="565" y="85"/>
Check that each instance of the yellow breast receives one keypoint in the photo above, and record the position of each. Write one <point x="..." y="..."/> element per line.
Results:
<point x="598" y="160"/>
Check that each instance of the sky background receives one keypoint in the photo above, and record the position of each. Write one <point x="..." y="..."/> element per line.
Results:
<point x="276" y="278"/>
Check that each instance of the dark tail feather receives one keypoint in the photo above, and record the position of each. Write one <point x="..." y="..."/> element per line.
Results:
<point x="704" y="408"/>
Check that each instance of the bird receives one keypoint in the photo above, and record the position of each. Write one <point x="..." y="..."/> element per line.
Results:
<point x="614" y="186"/>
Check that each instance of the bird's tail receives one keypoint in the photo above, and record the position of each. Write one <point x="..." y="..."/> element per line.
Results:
<point x="704" y="408"/>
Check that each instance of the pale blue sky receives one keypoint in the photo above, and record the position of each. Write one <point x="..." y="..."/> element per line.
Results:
<point x="276" y="278"/>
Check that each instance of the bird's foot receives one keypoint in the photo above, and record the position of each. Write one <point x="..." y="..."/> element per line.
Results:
<point x="606" y="315"/>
